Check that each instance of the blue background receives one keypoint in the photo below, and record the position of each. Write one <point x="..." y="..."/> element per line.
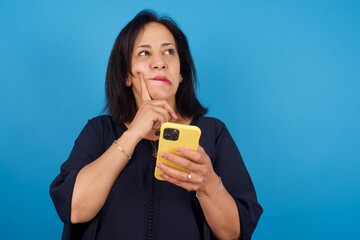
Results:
<point x="283" y="75"/>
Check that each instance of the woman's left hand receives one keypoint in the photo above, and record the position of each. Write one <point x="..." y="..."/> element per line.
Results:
<point x="200" y="176"/>
<point x="220" y="210"/>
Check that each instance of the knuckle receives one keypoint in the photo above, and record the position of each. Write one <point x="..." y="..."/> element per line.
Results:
<point x="197" y="157"/>
<point x="201" y="181"/>
<point x="203" y="171"/>
<point x="187" y="164"/>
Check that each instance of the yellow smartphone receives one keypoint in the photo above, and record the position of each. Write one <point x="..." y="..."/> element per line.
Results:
<point x="172" y="136"/>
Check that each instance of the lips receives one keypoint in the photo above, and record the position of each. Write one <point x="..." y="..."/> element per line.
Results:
<point x="161" y="79"/>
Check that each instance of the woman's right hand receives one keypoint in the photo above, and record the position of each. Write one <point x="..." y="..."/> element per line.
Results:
<point x="151" y="113"/>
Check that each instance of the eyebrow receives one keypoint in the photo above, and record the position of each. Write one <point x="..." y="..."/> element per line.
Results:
<point x="149" y="46"/>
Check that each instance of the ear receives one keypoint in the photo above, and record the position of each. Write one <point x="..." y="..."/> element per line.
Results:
<point x="128" y="82"/>
<point x="181" y="78"/>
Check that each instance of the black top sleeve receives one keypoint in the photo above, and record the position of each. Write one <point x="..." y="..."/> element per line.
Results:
<point x="87" y="147"/>
<point x="229" y="165"/>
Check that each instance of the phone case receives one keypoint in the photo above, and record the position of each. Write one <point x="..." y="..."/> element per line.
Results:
<point x="188" y="137"/>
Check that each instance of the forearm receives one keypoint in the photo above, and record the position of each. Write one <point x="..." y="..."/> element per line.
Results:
<point x="94" y="181"/>
<point x="220" y="212"/>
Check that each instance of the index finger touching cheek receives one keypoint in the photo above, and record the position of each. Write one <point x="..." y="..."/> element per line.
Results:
<point x="145" y="96"/>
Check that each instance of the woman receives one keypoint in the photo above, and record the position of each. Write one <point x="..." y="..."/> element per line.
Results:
<point x="107" y="190"/>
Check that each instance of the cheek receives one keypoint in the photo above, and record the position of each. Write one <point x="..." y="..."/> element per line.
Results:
<point x="138" y="67"/>
<point x="176" y="68"/>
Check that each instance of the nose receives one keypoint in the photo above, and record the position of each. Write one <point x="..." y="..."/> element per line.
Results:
<point x="158" y="62"/>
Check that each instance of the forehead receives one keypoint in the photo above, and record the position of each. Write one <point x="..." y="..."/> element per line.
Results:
<point x="154" y="33"/>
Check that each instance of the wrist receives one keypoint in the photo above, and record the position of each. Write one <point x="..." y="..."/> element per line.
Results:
<point x="211" y="189"/>
<point x="131" y="137"/>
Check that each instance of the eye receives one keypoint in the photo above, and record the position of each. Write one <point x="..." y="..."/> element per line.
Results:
<point x="170" y="51"/>
<point x="144" y="53"/>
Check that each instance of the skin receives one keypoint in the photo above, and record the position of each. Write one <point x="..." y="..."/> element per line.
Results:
<point x="155" y="57"/>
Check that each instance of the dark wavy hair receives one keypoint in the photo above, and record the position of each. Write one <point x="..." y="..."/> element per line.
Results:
<point x="120" y="100"/>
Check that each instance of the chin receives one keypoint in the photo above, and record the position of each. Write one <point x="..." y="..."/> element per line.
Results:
<point x="160" y="96"/>
<point x="157" y="97"/>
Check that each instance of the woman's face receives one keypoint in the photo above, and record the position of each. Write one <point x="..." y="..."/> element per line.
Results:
<point x="155" y="57"/>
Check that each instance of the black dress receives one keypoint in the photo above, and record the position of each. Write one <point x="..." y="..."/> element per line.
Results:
<point x="141" y="207"/>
